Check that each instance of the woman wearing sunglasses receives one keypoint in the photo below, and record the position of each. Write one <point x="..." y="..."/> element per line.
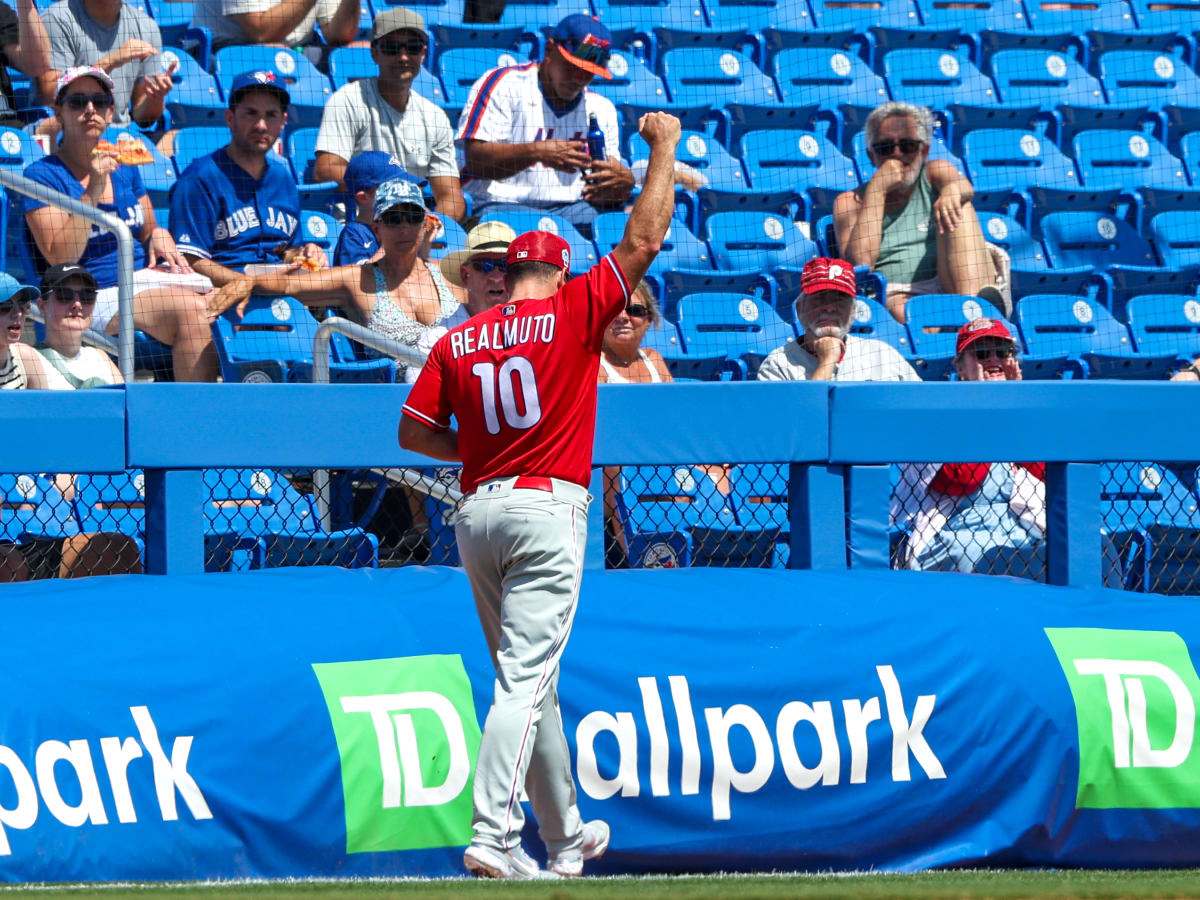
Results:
<point x="979" y="517"/>
<point x="68" y="298"/>
<point x="401" y="296"/>
<point x="175" y="315"/>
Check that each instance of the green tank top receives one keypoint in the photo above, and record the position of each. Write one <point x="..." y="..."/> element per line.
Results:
<point x="908" y="251"/>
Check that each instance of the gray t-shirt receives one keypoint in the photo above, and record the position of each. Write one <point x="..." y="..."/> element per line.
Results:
<point x="357" y="118"/>
<point x="215" y="16"/>
<point x="865" y="359"/>
<point x="76" y="39"/>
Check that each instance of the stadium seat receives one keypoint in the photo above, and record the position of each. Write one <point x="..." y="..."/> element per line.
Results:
<point x="452" y="237"/>
<point x="347" y="64"/>
<point x="31" y="505"/>
<point x="935" y="78"/>
<point x="302" y="153"/>
<point x="310" y="90"/>
<point x="461" y="68"/>
<point x="18" y="149"/>
<point x="159" y="176"/>
<point x="703" y="153"/>
<point x="1152" y="519"/>
<point x="1093" y="239"/>
<point x="1127" y="160"/>
<point x="760" y="503"/>
<point x="643" y="14"/>
<point x="1045" y="79"/>
<point x="632" y="81"/>
<point x="996" y="158"/>
<point x="743" y="328"/>
<point x="973" y="16"/>
<point x="933" y="324"/>
<point x="665" y="338"/>
<point x="872" y="320"/>
<point x="192" y="143"/>
<point x="660" y="505"/>
<point x="173" y="18"/>
<point x="320" y="228"/>
<point x="1190" y="148"/>
<point x="1007" y="233"/>
<point x="532" y="14"/>
<point x="583" y="251"/>
<point x="826" y="75"/>
<point x="195" y="98"/>
<point x="1074" y="119"/>
<point x="1056" y="17"/>
<point x="753" y="15"/>
<point x="1146" y="78"/>
<point x="1165" y="324"/>
<point x="699" y="75"/>
<point x="852" y="15"/>
<point x="680" y="249"/>
<point x="1176" y="236"/>
<point x="1178" y="16"/>
<point x="273" y="342"/>
<point x="756" y="241"/>
<point x="782" y="160"/>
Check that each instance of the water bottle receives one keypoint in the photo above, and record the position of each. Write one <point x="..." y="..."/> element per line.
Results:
<point x="595" y="139"/>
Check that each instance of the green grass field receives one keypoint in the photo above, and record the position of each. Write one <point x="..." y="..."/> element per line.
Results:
<point x="962" y="884"/>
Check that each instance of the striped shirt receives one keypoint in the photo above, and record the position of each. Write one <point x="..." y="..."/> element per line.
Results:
<point x="12" y="373"/>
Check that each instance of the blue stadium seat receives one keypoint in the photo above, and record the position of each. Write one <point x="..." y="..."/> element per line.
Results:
<point x="532" y="14"/>
<point x="779" y="160"/>
<point x="1052" y="16"/>
<point x="192" y="143"/>
<point x="1005" y="157"/>
<point x="431" y="10"/>
<point x="451" y="238"/>
<point x="643" y="14"/>
<point x="703" y="153"/>
<point x="159" y="176"/>
<point x="632" y="82"/>
<point x="173" y="18"/>
<point x="1075" y="119"/>
<point x="310" y="90"/>
<point x="1151" y="517"/>
<point x="302" y="153"/>
<point x="31" y="505"/>
<point x="273" y="342"/>
<point x="1029" y="77"/>
<point x="753" y="15"/>
<point x="1094" y="239"/>
<point x="933" y="324"/>
<point x="1177" y="16"/>
<point x="872" y="320"/>
<point x="1190" y="148"/>
<point x="999" y="15"/>
<point x="680" y="250"/>
<point x="347" y="64"/>
<point x="832" y="15"/>
<point x="760" y="503"/>
<point x="661" y="505"/>
<point x="583" y="251"/>
<point x="936" y="78"/>
<point x="1146" y="78"/>
<point x="1007" y="233"/>
<point x="756" y="241"/>
<point x="1165" y="324"/>
<point x="321" y="229"/>
<point x="459" y="69"/>
<point x="1176" y="237"/>
<point x="1127" y="160"/>
<point x="195" y="98"/>
<point x="665" y="338"/>
<point x="826" y="75"/>
<point x="743" y="328"/>
<point x="699" y="75"/>
<point x="18" y="149"/>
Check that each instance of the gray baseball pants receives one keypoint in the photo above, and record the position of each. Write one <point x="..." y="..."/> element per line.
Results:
<point x="523" y="553"/>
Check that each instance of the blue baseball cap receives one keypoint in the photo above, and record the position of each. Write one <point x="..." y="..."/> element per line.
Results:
<point x="261" y="80"/>
<point x="586" y="42"/>
<point x="11" y="289"/>
<point x="370" y="169"/>
<point x="397" y="192"/>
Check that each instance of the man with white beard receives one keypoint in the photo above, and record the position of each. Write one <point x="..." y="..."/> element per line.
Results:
<point x="827" y="351"/>
<point x="914" y="222"/>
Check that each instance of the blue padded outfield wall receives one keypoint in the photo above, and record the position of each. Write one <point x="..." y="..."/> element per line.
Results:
<point x="325" y="722"/>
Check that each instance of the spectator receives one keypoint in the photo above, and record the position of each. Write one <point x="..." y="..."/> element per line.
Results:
<point x="25" y="46"/>
<point x="402" y="296"/>
<point x="164" y="305"/>
<point x="979" y="517"/>
<point x="68" y="298"/>
<point x="827" y="351"/>
<point x="479" y="270"/>
<point x="20" y="365"/>
<point x="289" y="22"/>
<point x="1190" y="372"/>
<point x="118" y="38"/>
<point x="385" y="113"/>
<point x="623" y="359"/>
<point x="238" y="206"/>
<point x="523" y="131"/>
<point x="366" y="171"/>
<point x="913" y="222"/>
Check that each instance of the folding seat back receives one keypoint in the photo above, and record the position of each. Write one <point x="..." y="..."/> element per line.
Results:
<point x="1190" y="148"/>
<point x="935" y="319"/>
<point x="159" y="176"/>
<point x="534" y="14"/>
<point x="872" y="320"/>
<point x="1147" y="78"/>
<point x="1126" y="160"/>
<point x="173" y="18"/>
<point x="195" y="98"/>
<point x="1177" y="15"/>
<point x="1064" y="325"/>
<point x="1136" y="494"/>
<point x="642" y="14"/>
<point x="828" y="76"/>
<point x="30" y="504"/>
<point x="680" y="249"/>
<point x="703" y="153"/>
<point x="308" y="88"/>
<point x="999" y="158"/>
<point x="740" y="327"/>
<point x="936" y="78"/>
<point x="583" y="251"/>
<point x="1165" y="324"/>
<point x="632" y="82"/>
<point x="756" y="241"/>
<point x="1043" y="78"/>
<point x="112" y="502"/>
<point x="1007" y="233"/>
<point x="1176" y="237"/>
<point x="321" y="229"/>
<point x="18" y="149"/>
<point x="1054" y="16"/>
<point x="779" y="160"/>
<point x="347" y="64"/>
<point x="997" y="15"/>
<point x="1092" y="239"/>
<point x="459" y="69"/>
<point x="702" y="76"/>
<point x="852" y="15"/>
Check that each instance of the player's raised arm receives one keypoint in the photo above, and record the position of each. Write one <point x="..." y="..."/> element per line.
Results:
<point x="651" y="216"/>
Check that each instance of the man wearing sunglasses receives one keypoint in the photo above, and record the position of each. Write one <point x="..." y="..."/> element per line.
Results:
<point x="913" y="221"/>
<point x="289" y="22"/>
<point x="480" y="269"/>
<point x="385" y="114"/>
<point x="523" y="130"/>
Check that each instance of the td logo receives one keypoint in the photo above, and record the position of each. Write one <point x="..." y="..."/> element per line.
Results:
<point x="1135" y="696"/>
<point x="407" y="737"/>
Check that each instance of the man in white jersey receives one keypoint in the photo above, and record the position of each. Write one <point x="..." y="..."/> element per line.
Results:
<point x="523" y="131"/>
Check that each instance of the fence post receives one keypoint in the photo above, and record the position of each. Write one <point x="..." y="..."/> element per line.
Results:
<point x="593" y="557"/>
<point x="1073" y="524"/>
<point x="817" y="510"/>
<point x="868" y="503"/>
<point x="175" y="521"/>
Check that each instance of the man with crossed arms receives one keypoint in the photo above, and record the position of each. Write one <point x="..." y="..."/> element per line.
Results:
<point x="521" y="380"/>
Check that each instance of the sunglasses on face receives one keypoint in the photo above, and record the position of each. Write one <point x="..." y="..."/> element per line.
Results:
<point x="906" y="146"/>
<point x="79" y="102"/>
<point x="982" y="353"/>
<point x="86" y="296"/>
<point x="488" y="266"/>
<point x="637" y="311"/>
<point x="8" y="306"/>
<point x="395" y="48"/>
<point x="402" y="216"/>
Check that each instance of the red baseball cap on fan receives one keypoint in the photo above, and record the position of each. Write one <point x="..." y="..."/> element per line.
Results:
<point x="980" y="328"/>
<point x="539" y="246"/>
<point x="824" y="273"/>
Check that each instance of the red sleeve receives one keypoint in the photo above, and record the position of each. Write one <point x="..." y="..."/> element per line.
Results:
<point x="427" y="401"/>
<point x="959" y="479"/>
<point x="1037" y="470"/>
<point x="592" y="301"/>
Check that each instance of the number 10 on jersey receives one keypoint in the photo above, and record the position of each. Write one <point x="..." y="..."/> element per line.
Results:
<point x="490" y="379"/>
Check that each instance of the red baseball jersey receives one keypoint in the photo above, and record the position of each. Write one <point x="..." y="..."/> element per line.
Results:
<point x="521" y="380"/>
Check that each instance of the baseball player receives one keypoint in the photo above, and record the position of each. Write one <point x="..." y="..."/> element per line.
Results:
<point x="521" y="380"/>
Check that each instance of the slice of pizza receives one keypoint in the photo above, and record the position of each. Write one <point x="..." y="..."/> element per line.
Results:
<point x="310" y="265"/>
<point x="132" y="152"/>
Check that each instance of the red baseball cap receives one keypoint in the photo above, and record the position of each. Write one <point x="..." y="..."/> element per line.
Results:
<point x="980" y="328"/>
<point x="539" y="246"/>
<point x="824" y="273"/>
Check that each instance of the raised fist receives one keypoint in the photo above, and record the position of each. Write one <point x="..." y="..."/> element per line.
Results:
<point x="659" y="128"/>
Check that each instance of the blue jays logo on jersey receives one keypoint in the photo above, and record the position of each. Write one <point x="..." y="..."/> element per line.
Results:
<point x="246" y="218"/>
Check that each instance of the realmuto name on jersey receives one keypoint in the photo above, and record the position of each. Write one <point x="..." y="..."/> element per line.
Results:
<point x="501" y="335"/>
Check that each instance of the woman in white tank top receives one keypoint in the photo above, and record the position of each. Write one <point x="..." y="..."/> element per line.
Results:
<point x="624" y="359"/>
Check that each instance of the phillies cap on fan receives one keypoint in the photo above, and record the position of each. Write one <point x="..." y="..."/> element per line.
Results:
<point x="980" y="328"/>
<point x="586" y="42"/>
<point x="56" y="275"/>
<point x="539" y="246"/>
<point x="823" y="273"/>
<point x="370" y="169"/>
<point x="259" y="81"/>
<point x="74" y="73"/>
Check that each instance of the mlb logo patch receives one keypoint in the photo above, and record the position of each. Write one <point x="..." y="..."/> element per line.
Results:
<point x="979" y="324"/>
<point x="508" y="310"/>
<point x="521" y="254"/>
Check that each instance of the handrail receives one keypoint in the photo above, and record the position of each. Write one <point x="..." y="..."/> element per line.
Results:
<point x="17" y="182"/>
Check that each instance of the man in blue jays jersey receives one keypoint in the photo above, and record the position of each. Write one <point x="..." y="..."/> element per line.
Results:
<point x="237" y="205"/>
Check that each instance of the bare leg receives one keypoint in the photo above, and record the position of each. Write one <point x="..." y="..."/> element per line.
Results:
<point x="964" y="264"/>
<point x="897" y="302"/>
<point x="178" y="318"/>
<point x="106" y="553"/>
<point x="12" y="564"/>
